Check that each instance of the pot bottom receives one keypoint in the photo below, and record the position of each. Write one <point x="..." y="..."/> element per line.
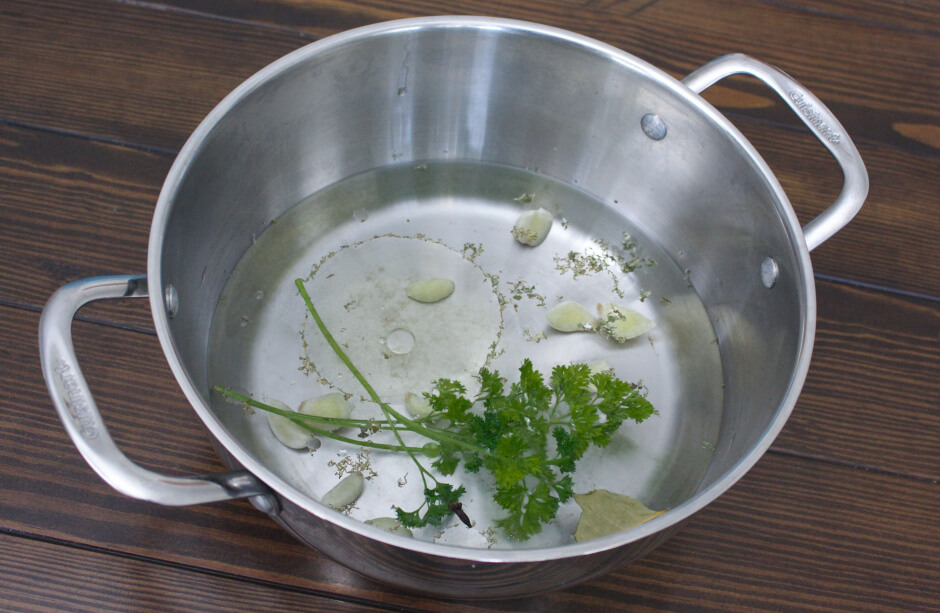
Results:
<point x="359" y="243"/>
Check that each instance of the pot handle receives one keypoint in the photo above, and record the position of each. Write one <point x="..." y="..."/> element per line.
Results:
<point x="820" y="121"/>
<point x="82" y="420"/>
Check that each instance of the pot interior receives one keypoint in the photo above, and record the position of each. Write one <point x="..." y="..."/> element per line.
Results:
<point x="388" y="155"/>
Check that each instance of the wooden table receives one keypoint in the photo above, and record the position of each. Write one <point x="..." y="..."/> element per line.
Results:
<point x="96" y="98"/>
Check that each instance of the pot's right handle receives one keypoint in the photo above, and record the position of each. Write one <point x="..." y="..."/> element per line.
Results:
<point x="82" y="420"/>
<point x="819" y="119"/>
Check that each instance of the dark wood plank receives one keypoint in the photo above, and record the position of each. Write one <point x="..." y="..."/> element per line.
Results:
<point x="46" y="489"/>
<point x="41" y="576"/>
<point x="324" y="18"/>
<point x="912" y="15"/>
<point x="793" y="535"/>
<point x="919" y="16"/>
<point x="894" y="241"/>
<point x="880" y="82"/>
<point x="873" y="350"/>
<point x="76" y="208"/>
<point x="872" y="392"/>
<point x="869" y="69"/>
<point x="840" y="514"/>
<point x="149" y="76"/>
<point x="125" y="71"/>
<point x="864" y="65"/>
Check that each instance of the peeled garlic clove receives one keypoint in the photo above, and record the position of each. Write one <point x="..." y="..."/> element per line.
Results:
<point x="417" y="406"/>
<point x="600" y="366"/>
<point x="570" y="317"/>
<point x="621" y="323"/>
<point x="286" y="431"/>
<point x="532" y="227"/>
<point x="390" y="524"/>
<point x="345" y="492"/>
<point x="430" y="290"/>
<point x="330" y="405"/>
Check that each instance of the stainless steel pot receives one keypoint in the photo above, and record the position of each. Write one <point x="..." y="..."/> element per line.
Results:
<point x="628" y="145"/>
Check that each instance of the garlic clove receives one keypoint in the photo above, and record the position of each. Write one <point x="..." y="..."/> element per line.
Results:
<point x="331" y="405"/>
<point x="390" y="524"/>
<point x="532" y="227"/>
<point x="430" y="290"/>
<point x="571" y="317"/>
<point x="621" y="323"/>
<point x="600" y="366"/>
<point x="345" y="492"/>
<point x="289" y="433"/>
<point x="417" y="406"/>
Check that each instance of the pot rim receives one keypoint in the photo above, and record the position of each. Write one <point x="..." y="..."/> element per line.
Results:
<point x="190" y="150"/>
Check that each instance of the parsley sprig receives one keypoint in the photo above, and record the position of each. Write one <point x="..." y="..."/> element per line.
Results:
<point x="528" y="435"/>
<point x="531" y="435"/>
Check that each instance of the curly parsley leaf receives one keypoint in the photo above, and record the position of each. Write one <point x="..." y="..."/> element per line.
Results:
<point x="437" y="505"/>
<point x="531" y="436"/>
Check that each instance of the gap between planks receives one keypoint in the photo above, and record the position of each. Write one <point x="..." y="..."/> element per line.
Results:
<point x="99" y="550"/>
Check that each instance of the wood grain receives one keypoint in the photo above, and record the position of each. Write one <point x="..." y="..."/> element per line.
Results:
<point x="873" y="62"/>
<point x="793" y="535"/>
<point x="324" y="18"/>
<point x="77" y="208"/>
<point x="872" y="351"/>
<point x="46" y="489"/>
<point x="42" y="576"/>
<point x="872" y="50"/>
<point x="839" y="515"/>
<point x="74" y="208"/>
<point x="871" y="395"/>
<point x="796" y="534"/>
<point x="894" y="241"/>
<point x="162" y="79"/>
<point x="912" y="15"/>
<point x="123" y="71"/>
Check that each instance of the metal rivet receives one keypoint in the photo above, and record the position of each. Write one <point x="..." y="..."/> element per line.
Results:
<point x="769" y="272"/>
<point x="653" y="126"/>
<point x="171" y="299"/>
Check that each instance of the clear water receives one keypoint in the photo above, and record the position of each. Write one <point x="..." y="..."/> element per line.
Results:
<point x="360" y="242"/>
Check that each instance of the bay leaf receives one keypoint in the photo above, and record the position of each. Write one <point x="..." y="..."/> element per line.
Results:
<point x="604" y="512"/>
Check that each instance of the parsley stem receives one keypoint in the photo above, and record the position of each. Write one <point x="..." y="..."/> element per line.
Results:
<point x="303" y="421"/>
<point x="342" y="354"/>
<point x="366" y="443"/>
<point x="390" y="413"/>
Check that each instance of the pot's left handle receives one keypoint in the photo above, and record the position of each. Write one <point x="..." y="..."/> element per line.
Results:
<point x="82" y="420"/>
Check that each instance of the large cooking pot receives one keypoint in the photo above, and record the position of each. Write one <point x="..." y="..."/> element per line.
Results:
<point x="414" y="144"/>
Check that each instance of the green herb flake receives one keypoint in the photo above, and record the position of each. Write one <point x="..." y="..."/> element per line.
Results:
<point x="532" y="433"/>
<point x="471" y="251"/>
<point x="523" y="289"/>
<point x="528" y="435"/>
<point x="602" y="258"/>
